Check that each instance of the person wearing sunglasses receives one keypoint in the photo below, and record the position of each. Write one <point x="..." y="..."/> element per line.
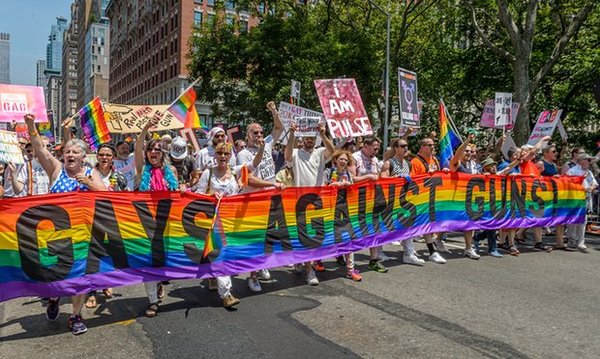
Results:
<point x="205" y="158"/>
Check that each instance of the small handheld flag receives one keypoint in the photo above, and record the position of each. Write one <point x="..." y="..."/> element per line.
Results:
<point x="93" y="123"/>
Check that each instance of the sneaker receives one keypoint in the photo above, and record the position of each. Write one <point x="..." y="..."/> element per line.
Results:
<point x="229" y="301"/>
<point x="382" y="257"/>
<point x="52" y="310"/>
<point x="354" y="275"/>
<point x="318" y="266"/>
<point x="413" y="259"/>
<point x="341" y="262"/>
<point x="76" y="325"/>
<point x="376" y="266"/>
<point x="514" y="251"/>
<point x="254" y="285"/>
<point x="161" y="291"/>
<point x="311" y="278"/>
<point x="264" y="274"/>
<point x="212" y="284"/>
<point x="539" y="246"/>
<point x="396" y="243"/>
<point x="582" y="247"/>
<point x="471" y="254"/>
<point x="435" y="257"/>
<point x="476" y="246"/>
<point x="570" y="249"/>
<point x="496" y="254"/>
<point x="440" y="246"/>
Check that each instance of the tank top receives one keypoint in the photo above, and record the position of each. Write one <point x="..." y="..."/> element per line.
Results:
<point x="549" y="169"/>
<point x="64" y="183"/>
<point x="398" y="169"/>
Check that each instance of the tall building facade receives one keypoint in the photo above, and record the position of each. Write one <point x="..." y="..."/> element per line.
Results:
<point x="54" y="49"/>
<point x="69" y="69"/>
<point x="40" y="77"/>
<point x="4" y="58"/>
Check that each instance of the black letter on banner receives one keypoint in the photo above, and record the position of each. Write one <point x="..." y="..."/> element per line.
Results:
<point x="497" y="212"/>
<point x="432" y="183"/>
<point x="540" y="211"/>
<point x="277" y="230"/>
<point x="408" y="206"/>
<point x="554" y="197"/>
<point x="362" y="211"/>
<point x="188" y="221"/>
<point x="474" y="182"/>
<point x="316" y="223"/>
<point x="383" y="209"/>
<point x="105" y="226"/>
<point x="341" y="221"/>
<point x="517" y="200"/>
<point x="28" y="243"/>
<point x="155" y="227"/>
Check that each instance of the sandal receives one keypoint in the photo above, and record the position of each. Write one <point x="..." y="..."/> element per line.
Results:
<point x="108" y="293"/>
<point x="152" y="310"/>
<point x="160" y="290"/>
<point x="91" y="302"/>
<point x="520" y="240"/>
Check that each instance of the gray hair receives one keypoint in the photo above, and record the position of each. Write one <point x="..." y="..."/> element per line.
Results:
<point x="77" y="143"/>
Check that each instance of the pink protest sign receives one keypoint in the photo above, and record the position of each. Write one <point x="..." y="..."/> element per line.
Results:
<point x="343" y="108"/>
<point x="487" y="116"/>
<point x="16" y="101"/>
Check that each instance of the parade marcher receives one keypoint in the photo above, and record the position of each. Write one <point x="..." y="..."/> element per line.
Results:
<point x="31" y="178"/>
<point x="398" y="166"/>
<point x="488" y="167"/>
<point x="547" y="166"/>
<point x="367" y="168"/>
<point x="308" y="166"/>
<point x="125" y="163"/>
<point x="239" y="145"/>
<point x="72" y="176"/>
<point x="425" y="162"/>
<point x="11" y="172"/>
<point x="573" y="161"/>
<point x="184" y="163"/>
<point x="576" y="232"/>
<point x="154" y="173"/>
<point x="263" y="175"/>
<point x="205" y="158"/>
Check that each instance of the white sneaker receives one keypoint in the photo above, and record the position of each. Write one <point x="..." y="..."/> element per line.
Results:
<point x="254" y="285"/>
<point x="382" y="257"/>
<point x="582" y="247"/>
<point x="440" y="246"/>
<point x="413" y="259"/>
<point x="435" y="257"/>
<point x="472" y="254"/>
<point x="264" y="274"/>
<point x="311" y="278"/>
<point x="396" y="243"/>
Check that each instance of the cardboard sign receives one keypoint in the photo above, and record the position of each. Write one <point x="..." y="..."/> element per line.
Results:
<point x="307" y="126"/>
<point x="343" y="108"/>
<point x="408" y="95"/>
<point x="132" y="118"/>
<point x="503" y="104"/>
<point x="489" y="111"/>
<point x="16" y="101"/>
<point x="190" y="136"/>
<point x="545" y="125"/>
<point x="9" y="148"/>
<point x="295" y="90"/>
<point x="234" y="133"/>
<point x="289" y="112"/>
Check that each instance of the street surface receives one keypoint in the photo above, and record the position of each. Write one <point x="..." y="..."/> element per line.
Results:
<point x="538" y="305"/>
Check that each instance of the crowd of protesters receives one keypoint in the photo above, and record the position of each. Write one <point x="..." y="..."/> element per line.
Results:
<point x="259" y="161"/>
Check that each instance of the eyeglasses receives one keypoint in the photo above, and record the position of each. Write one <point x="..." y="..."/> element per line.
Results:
<point x="342" y="159"/>
<point x="219" y="135"/>
<point x="29" y="151"/>
<point x="155" y="149"/>
<point x="105" y="155"/>
<point x="469" y="151"/>
<point x="257" y="132"/>
<point x="242" y="146"/>
<point x="429" y="144"/>
<point x="403" y="146"/>
<point x="48" y="146"/>
<point x="223" y="153"/>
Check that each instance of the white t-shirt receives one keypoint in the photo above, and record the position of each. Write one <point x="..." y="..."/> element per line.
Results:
<point x="366" y="165"/>
<point x="127" y="168"/>
<point x="588" y="182"/>
<point x="227" y="187"/>
<point x="309" y="167"/>
<point x="266" y="168"/>
<point x="41" y="181"/>
<point x="205" y="158"/>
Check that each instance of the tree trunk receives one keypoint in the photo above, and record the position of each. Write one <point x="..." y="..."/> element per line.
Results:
<point x="523" y="96"/>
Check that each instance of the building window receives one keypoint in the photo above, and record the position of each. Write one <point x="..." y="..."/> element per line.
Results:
<point x="229" y="20"/>
<point x="229" y="4"/>
<point x="244" y="25"/>
<point x="210" y="2"/>
<point x="197" y="18"/>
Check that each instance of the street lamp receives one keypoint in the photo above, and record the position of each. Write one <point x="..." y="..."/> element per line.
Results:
<point x="387" y="75"/>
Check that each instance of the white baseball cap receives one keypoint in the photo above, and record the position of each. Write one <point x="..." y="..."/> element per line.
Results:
<point x="179" y="148"/>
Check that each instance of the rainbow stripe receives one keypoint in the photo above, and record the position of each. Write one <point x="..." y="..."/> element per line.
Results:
<point x="44" y="129"/>
<point x="449" y="139"/>
<point x="93" y="123"/>
<point x="184" y="109"/>
<point x="87" y="240"/>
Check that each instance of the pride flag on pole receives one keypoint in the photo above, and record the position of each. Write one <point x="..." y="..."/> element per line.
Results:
<point x="184" y="109"/>
<point x="449" y="137"/>
<point x="93" y="123"/>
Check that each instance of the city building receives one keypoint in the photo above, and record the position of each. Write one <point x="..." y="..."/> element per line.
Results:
<point x="69" y="70"/>
<point x="4" y="58"/>
<point x="40" y="77"/>
<point x="54" y="49"/>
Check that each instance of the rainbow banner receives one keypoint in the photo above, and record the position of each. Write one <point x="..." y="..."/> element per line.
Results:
<point x="93" y="123"/>
<point x="64" y="244"/>
<point x="184" y="109"/>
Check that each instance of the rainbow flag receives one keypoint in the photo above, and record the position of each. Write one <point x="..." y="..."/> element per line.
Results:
<point x="184" y="109"/>
<point x="93" y="123"/>
<point x="44" y="129"/>
<point x="449" y="138"/>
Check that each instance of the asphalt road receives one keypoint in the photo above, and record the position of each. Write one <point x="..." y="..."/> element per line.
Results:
<point x="537" y="305"/>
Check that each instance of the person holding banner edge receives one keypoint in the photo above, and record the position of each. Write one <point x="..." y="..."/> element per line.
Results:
<point x="72" y="176"/>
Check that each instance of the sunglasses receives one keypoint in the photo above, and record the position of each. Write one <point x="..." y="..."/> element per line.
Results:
<point x="258" y="132"/>
<point x="403" y="146"/>
<point x="219" y="135"/>
<point x="155" y="149"/>
<point x="468" y="151"/>
<point x="105" y="155"/>
<point x="223" y="153"/>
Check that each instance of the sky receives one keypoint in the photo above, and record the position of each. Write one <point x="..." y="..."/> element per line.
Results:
<point x="28" y="22"/>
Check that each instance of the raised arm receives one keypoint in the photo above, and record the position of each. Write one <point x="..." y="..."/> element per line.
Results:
<point x="289" y="148"/>
<point x="50" y="164"/>
<point x="329" y="148"/>
<point x="508" y="168"/>
<point x="460" y="151"/>
<point x="277" y="124"/>
<point x="139" y="145"/>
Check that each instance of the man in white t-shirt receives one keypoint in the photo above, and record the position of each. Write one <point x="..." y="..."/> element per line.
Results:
<point x="30" y="179"/>
<point x="308" y="164"/>
<point x="205" y="158"/>
<point x="125" y="163"/>
<point x="576" y="232"/>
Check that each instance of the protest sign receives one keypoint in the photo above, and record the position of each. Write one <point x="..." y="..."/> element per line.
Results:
<point x="503" y="104"/>
<point x="409" y="106"/>
<point x="307" y="126"/>
<point x="70" y="243"/>
<point x="234" y="133"/>
<point x="507" y="144"/>
<point x="295" y="90"/>
<point x="16" y="101"/>
<point x="289" y="112"/>
<point x="132" y="118"/>
<point x="22" y="131"/>
<point x="489" y="111"/>
<point x="562" y="131"/>
<point x="190" y="136"/>
<point x="9" y="148"/>
<point x="343" y="108"/>
<point x="544" y="126"/>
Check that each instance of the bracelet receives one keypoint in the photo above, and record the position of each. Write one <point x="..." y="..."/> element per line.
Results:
<point x="33" y="134"/>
